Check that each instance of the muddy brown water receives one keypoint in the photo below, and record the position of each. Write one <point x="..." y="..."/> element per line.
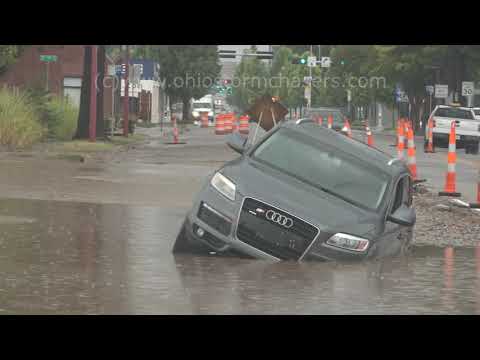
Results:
<point x="79" y="258"/>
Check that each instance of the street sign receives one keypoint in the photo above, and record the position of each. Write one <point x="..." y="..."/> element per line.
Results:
<point x="111" y="70"/>
<point x="325" y="62"/>
<point x="312" y="61"/>
<point x="468" y="88"/>
<point x="307" y="79"/>
<point x="400" y="96"/>
<point x="48" y="58"/>
<point x="441" y="91"/>
<point x="430" y="89"/>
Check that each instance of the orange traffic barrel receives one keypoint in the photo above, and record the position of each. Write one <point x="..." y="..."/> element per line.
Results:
<point x="220" y="125"/>
<point x="244" y="126"/>
<point x="228" y="123"/>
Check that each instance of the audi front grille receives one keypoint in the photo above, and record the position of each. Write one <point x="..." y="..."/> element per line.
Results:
<point x="274" y="231"/>
<point x="213" y="218"/>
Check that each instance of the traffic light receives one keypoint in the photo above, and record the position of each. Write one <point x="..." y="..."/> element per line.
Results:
<point x="299" y="61"/>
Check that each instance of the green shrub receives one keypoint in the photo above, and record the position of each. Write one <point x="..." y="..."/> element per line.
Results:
<point x="19" y="122"/>
<point x="57" y="116"/>
<point x="63" y="117"/>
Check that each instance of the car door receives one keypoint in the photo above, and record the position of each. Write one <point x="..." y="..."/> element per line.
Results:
<point x="395" y="235"/>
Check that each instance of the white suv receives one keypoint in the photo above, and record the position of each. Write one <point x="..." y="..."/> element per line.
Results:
<point x="467" y="126"/>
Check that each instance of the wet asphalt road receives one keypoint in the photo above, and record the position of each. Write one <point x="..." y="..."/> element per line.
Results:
<point x="107" y="250"/>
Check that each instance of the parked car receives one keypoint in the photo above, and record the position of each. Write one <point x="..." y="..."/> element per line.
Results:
<point x="303" y="192"/>
<point x="477" y="113"/>
<point x="467" y="126"/>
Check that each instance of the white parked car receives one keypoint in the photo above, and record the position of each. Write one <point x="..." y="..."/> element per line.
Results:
<point x="477" y="113"/>
<point x="467" y="126"/>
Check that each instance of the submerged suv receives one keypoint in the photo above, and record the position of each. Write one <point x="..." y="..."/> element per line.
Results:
<point x="303" y="192"/>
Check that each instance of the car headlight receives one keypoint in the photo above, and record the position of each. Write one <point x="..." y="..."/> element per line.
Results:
<point x="195" y="113"/>
<point x="348" y="242"/>
<point x="224" y="186"/>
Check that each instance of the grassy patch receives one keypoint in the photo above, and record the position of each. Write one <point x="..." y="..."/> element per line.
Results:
<point x="19" y="123"/>
<point x="82" y="146"/>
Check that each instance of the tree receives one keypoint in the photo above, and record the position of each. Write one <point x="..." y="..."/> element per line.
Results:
<point x="188" y="71"/>
<point x="251" y="82"/>
<point x="8" y="55"/>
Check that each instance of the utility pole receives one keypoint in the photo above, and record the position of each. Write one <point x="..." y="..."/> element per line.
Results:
<point x="92" y="130"/>
<point x="126" y="94"/>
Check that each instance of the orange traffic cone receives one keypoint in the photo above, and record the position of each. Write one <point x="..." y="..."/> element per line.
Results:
<point x="400" y="139"/>
<point x="452" y="160"/>
<point x="347" y="129"/>
<point x="477" y="204"/>
<point x="429" y="148"/>
<point x="330" y="121"/>
<point x="395" y="143"/>
<point x="369" y="134"/>
<point x="220" y="125"/>
<point x="175" y="135"/>
<point x="412" y="158"/>
<point x="204" y="120"/>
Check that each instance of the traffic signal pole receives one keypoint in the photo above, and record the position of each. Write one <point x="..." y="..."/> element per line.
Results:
<point x="126" y="93"/>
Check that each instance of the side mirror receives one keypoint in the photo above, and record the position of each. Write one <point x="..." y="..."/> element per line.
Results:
<point x="404" y="215"/>
<point x="237" y="143"/>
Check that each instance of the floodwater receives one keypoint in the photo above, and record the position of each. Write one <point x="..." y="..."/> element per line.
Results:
<point x="78" y="258"/>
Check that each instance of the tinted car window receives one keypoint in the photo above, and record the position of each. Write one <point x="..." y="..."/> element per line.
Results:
<point x="324" y="167"/>
<point x="454" y="113"/>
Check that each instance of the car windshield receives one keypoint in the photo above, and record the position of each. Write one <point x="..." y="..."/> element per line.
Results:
<point x="454" y="113"/>
<point x="324" y="167"/>
<point x="202" y="105"/>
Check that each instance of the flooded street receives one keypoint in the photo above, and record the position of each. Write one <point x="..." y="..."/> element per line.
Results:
<point x="79" y="258"/>
<point x="96" y="238"/>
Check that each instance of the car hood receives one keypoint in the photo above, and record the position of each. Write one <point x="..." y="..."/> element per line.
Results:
<point x="327" y="212"/>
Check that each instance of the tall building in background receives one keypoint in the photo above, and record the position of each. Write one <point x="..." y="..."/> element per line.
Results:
<point x="228" y="65"/>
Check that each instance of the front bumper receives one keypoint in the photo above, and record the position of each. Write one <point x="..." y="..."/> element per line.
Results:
<point x="219" y="229"/>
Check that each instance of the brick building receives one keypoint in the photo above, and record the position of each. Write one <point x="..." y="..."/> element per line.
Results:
<point x="64" y="75"/>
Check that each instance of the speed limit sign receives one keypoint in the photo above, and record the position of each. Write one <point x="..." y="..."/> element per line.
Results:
<point x="468" y="88"/>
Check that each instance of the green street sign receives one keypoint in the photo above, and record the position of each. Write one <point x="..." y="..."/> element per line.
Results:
<point x="48" y="58"/>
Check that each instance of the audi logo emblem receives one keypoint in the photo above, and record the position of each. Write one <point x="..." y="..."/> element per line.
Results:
<point x="280" y="219"/>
